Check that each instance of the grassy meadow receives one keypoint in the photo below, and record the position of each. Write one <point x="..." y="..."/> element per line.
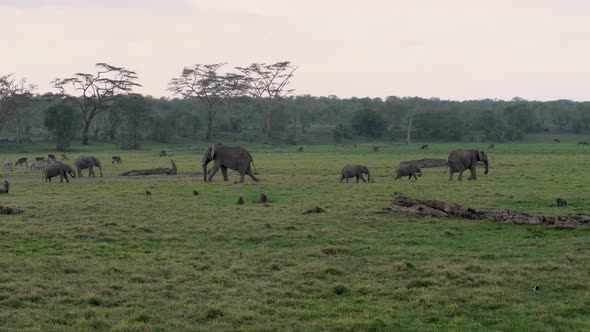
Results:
<point x="97" y="254"/>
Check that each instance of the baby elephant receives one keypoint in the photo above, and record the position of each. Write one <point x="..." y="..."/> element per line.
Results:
<point x="351" y="171"/>
<point x="58" y="169"/>
<point x="408" y="170"/>
<point x="117" y="159"/>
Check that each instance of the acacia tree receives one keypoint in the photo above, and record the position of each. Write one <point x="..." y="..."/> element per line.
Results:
<point x="234" y="86"/>
<point x="267" y="83"/>
<point x="203" y="82"/>
<point x="93" y="93"/>
<point x="14" y="94"/>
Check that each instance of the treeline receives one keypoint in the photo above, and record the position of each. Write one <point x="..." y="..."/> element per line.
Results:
<point x="132" y="119"/>
<point x="210" y="106"/>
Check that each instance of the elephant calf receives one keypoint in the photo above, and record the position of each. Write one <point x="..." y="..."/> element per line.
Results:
<point x="408" y="170"/>
<point x="58" y="169"/>
<point x="351" y="171"/>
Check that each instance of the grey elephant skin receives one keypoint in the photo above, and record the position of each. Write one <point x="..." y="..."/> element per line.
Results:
<point x="87" y="163"/>
<point x="351" y="171"/>
<point x="408" y="170"/>
<point x="461" y="160"/>
<point x="58" y="169"/>
<point x="224" y="157"/>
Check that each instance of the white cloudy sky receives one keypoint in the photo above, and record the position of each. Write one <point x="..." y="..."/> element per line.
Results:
<point x="452" y="49"/>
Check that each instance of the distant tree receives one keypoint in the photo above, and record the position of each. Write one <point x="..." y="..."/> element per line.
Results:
<point x="233" y="86"/>
<point x="94" y="93"/>
<point x="267" y="83"/>
<point x="204" y="83"/>
<point x="339" y="132"/>
<point x="62" y="121"/>
<point x="132" y="111"/>
<point x="14" y="95"/>
<point x="368" y="123"/>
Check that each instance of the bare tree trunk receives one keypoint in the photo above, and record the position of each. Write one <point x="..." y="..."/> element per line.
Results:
<point x="409" y="136"/>
<point x="17" y="130"/>
<point x="209" y="126"/>
<point x="269" y="121"/>
<point x="85" y="132"/>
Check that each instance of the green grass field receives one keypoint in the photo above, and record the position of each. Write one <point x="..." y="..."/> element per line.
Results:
<point x="97" y="254"/>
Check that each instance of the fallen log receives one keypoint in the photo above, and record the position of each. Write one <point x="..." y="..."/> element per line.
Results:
<point x="426" y="162"/>
<point x="438" y="208"/>
<point x="9" y="210"/>
<point x="153" y="171"/>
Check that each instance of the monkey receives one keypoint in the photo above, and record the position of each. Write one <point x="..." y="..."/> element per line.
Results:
<point x="240" y="200"/>
<point x="424" y="147"/>
<point x="148" y="193"/>
<point x="561" y="202"/>
<point x="263" y="198"/>
<point x="196" y="193"/>
<point x="556" y="140"/>
<point x="375" y="149"/>
<point x="492" y="146"/>
<point x="300" y="149"/>
<point x="117" y="159"/>
<point x="163" y="153"/>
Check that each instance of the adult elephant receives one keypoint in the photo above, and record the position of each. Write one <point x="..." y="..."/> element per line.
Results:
<point x="460" y="160"/>
<point x="58" y="169"/>
<point x="87" y="163"/>
<point x="224" y="157"/>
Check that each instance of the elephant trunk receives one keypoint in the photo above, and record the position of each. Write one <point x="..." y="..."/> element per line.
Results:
<point x="205" y="172"/>
<point x="100" y="170"/>
<point x="486" y="165"/>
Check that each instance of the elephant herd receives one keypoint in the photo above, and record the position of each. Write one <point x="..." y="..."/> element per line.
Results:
<point x="239" y="159"/>
<point x="457" y="162"/>
<point x="53" y="168"/>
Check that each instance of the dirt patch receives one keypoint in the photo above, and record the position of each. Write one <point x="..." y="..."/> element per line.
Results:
<point x="316" y="209"/>
<point x="438" y="208"/>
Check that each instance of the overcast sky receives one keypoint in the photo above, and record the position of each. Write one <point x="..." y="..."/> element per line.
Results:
<point x="451" y="49"/>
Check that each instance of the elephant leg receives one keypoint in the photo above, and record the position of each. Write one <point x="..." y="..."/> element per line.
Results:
<point x="224" y="172"/>
<point x="451" y="175"/>
<point x="415" y="178"/>
<point x="357" y="179"/>
<point x="341" y="178"/>
<point x="410" y="177"/>
<point x="473" y="174"/>
<point x="214" y="170"/>
<point x="461" y="175"/>
<point x="346" y="180"/>
<point x="362" y="178"/>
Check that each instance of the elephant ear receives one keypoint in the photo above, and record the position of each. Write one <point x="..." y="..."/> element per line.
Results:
<point x="213" y="152"/>
<point x="480" y="155"/>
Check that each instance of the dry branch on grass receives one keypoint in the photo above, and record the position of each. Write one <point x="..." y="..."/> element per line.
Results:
<point x="438" y="208"/>
<point x="9" y="210"/>
<point x="153" y="171"/>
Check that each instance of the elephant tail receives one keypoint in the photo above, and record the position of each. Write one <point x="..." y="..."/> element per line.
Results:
<point x="252" y="161"/>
